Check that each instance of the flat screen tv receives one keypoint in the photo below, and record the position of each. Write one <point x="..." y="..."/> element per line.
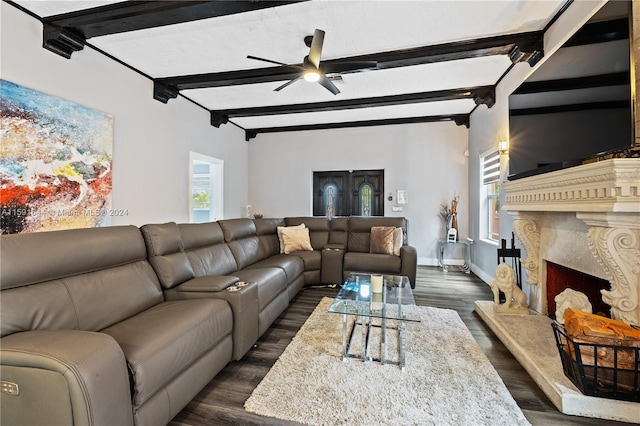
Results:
<point x="577" y="104"/>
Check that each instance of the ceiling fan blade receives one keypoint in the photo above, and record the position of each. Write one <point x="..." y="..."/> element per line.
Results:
<point x="315" y="51"/>
<point x="327" y="84"/>
<point x="340" y="67"/>
<point x="266" y="60"/>
<point x="277" y="89"/>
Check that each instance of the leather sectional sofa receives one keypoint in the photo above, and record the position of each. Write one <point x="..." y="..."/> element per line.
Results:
<point x="125" y="325"/>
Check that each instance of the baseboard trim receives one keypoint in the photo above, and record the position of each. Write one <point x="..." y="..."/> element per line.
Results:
<point x="481" y="274"/>
<point x="427" y="261"/>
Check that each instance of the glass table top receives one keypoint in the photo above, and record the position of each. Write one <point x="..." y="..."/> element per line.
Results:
<point x="394" y="302"/>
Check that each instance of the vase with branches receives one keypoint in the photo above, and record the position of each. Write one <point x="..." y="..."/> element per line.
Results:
<point x="445" y="215"/>
<point x="448" y="214"/>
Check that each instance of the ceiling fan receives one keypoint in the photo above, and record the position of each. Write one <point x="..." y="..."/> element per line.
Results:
<point x="312" y="71"/>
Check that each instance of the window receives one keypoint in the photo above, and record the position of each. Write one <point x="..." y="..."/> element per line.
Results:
<point x="330" y="195"/>
<point x="205" y="185"/>
<point x="490" y="195"/>
<point x="366" y="199"/>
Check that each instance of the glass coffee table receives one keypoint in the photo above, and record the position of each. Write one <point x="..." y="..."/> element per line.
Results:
<point x="387" y="310"/>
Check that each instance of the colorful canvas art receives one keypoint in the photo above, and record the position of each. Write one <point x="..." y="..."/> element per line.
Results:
<point x="55" y="162"/>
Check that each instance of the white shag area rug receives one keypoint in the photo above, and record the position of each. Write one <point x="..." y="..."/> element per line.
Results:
<point x="448" y="380"/>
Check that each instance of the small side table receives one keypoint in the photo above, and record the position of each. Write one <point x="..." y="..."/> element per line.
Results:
<point x="442" y="246"/>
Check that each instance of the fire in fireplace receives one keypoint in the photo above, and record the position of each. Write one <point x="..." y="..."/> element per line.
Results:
<point x="560" y="278"/>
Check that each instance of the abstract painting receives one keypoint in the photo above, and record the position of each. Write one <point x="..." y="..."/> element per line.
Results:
<point x="55" y="162"/>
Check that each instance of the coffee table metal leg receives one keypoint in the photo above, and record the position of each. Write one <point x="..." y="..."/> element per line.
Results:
<point x="368" y="355"/>
<point x="383" y="341"/>
<point x="365" y="329"/>
<point x="401" y="327"/>
<point x="345" y="344"/>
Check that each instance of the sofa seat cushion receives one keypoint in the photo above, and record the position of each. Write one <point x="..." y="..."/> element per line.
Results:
<point x="370" y="262"/>
<point x="292" y="266"/>
<point x="212" y="260"/>
<point x="271" y="282"/>
<point x="163" y="341"/>
<point x="311" y="259"/>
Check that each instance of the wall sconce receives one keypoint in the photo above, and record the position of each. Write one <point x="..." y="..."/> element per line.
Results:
<point x="503" y="147"/>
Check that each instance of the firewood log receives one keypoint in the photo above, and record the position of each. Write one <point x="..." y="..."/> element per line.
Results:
<point x="588" y="328"/>
<point x="583" y="325"/>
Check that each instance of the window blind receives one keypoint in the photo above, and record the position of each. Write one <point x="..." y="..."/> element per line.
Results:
<point x="491" y="168"/>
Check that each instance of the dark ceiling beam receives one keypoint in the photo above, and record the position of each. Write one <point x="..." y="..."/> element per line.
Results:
<point x="481" y="92"/>
<point x="600" y="32"/>
<point x="62" y="41"/>
<point x="529" y="43"/>
<point x="459" y="119"/>
<point x="519" y="47"/>
<point x="570" y="108"/>
<point x="135" y="15"/>
<point x="229" y="78"/>
<point x="603" y="80"/>
<point x="481" y="95"/>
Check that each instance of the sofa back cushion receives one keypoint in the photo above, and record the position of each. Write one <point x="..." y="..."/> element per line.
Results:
<point x="242" y="238"/>
<point x="165" y="251"/>
<point x="339" y="230"/>
<point x="267" y="231"/>
<point x="196" y="235"/>
<point x="80" y="279"/>
<point x="206" y="249"/>
<point x="318" y="229"/>
<point x="359" y="239"/>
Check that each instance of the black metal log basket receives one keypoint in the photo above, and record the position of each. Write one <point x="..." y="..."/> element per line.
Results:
<point x="602" y="370"/>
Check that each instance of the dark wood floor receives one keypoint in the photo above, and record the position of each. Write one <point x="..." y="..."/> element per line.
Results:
<point x="221" y="402"/>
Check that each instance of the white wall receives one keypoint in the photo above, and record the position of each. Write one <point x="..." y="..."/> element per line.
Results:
<point x="427" y="160"/>
<point x="151" y="140"/>
<point x="489" y="125"/>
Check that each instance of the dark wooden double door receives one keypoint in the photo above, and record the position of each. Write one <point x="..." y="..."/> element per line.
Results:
<point x="348" y="193"/>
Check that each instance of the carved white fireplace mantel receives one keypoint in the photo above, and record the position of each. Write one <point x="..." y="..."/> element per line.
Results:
<point x="605" y="196"/>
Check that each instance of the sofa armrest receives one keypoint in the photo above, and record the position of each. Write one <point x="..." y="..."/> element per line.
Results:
<point x="332" y="263"/>
<point x="208" y="284"/>
<point x="335" y="246"/>
<point x="409" y="263"/>
<point x="244" y="305"/>
<point x="64" y="377"/>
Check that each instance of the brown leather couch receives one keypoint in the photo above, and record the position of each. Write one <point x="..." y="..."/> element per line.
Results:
<point x="122" y="325"/>
<point x="202" y="260"/>
<point x="88" y="337"/>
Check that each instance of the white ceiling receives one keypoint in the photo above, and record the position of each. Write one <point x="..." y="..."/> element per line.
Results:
<point x="353" y="28"/>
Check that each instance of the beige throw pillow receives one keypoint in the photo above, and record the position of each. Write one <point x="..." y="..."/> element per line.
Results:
<point x="397" y="241"/>
<point x="381" y="239"/>
<point x="295" y="239"/>
<point x="280" y="228"/>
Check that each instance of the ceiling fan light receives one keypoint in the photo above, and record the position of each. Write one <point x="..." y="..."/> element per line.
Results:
<point x="311" y="75"/>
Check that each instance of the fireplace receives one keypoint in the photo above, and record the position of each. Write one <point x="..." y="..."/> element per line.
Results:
<point x="560" y="278"/>
<point x="584" y="218"/>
